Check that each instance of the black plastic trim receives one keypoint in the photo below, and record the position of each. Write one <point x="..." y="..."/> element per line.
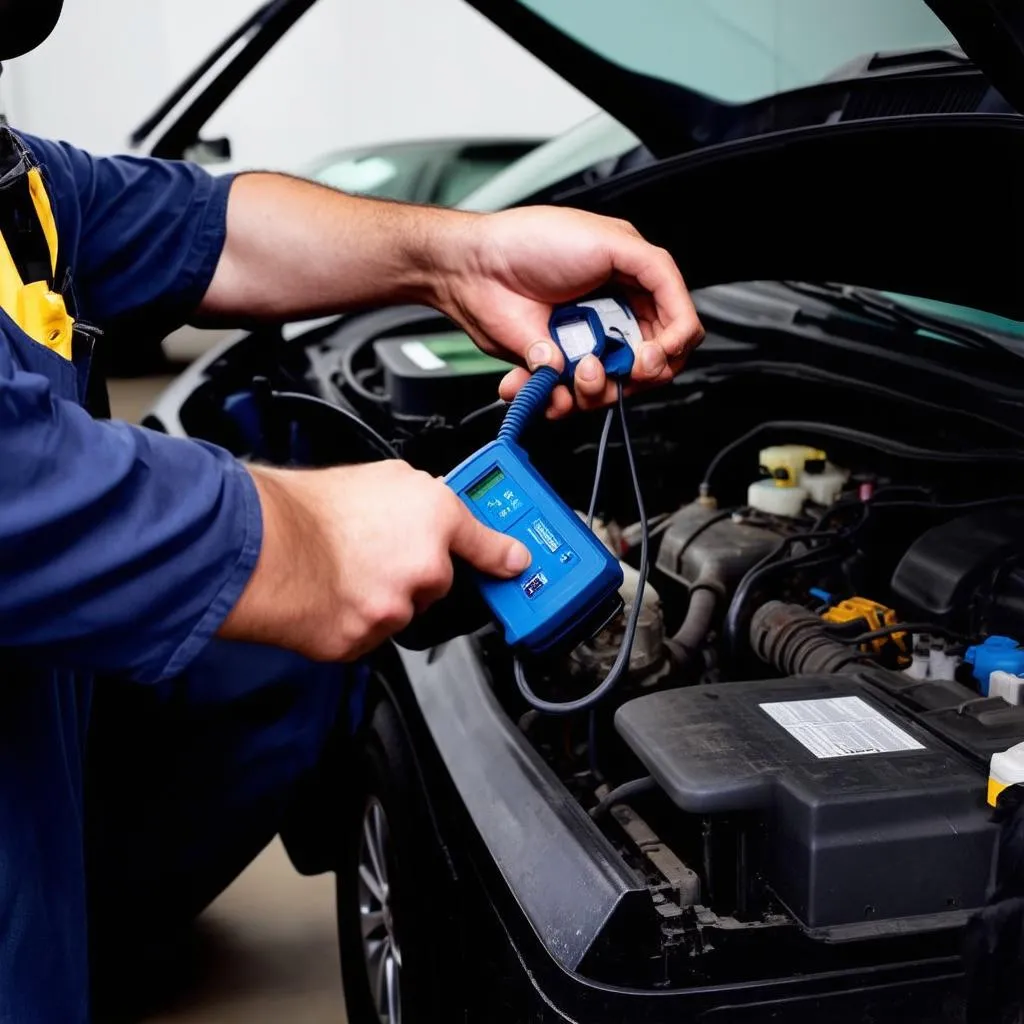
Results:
<point x="568" y="879"/>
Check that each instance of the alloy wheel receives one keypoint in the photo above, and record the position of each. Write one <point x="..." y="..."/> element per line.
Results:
<point x="380" y="944"/>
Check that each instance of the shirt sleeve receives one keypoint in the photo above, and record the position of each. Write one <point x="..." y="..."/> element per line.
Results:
<point x="147" y="234"/>
<point x="121" y="549"/>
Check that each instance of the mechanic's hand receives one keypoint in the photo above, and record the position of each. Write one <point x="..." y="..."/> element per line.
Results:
<point x="510" y="268"/>
<point x="351" y="554"/>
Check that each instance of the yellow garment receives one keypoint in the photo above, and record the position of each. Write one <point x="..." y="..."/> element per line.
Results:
<point x="37" y="309"/>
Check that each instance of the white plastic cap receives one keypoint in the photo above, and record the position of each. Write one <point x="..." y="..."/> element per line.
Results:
<point x="1005" y="769"/>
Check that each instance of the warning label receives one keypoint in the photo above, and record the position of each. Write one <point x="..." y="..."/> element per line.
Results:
<point x="840" y="727"/>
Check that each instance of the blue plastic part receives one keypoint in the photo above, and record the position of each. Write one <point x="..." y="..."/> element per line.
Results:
<point x="531" y="399"/>
<point x="572" y="573"/>
<point x="997" y="653"/>
<point x="614" y="351"/>
<point x="821" y="595"/>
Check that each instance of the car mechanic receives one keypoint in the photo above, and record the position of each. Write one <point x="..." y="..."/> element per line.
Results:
<point x="128" y="553"/>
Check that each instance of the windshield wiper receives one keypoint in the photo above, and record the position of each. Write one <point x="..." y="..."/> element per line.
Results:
<point x="871" y="305"/>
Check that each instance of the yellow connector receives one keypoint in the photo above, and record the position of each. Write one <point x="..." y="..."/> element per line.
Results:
<point x="874" y="614"/>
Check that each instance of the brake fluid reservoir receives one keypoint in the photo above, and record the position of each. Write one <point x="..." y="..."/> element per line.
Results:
<point x="788" y="466"/>
<point x="767" y="496"/>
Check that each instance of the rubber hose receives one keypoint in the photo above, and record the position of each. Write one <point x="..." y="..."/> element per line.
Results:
<point x="795" y="641"/>
<point x="686" y="641"/>
<point x="624" y="792"/>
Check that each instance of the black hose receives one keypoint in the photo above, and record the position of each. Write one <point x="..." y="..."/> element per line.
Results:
<point x="769" y="564"/>
<point x="626" y="791"/>
<point x="686" y="641"/>
<point x="793" y="640"/>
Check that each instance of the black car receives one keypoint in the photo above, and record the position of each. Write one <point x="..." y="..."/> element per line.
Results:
<point x="783" y="811"/>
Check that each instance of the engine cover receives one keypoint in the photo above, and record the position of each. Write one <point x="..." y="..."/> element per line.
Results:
<point x="697" y="550"/>
<point x="966" y="573"/>
<point x="852" y="812"/>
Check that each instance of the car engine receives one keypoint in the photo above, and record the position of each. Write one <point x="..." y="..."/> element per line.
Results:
<point x="822" y="677"/>
<point x="829" y="651"/>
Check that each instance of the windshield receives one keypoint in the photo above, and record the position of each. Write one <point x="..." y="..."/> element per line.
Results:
<point x="737" y="51"/>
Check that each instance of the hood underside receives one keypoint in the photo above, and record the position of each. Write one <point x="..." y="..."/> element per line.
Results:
<point x="927" y="206"/>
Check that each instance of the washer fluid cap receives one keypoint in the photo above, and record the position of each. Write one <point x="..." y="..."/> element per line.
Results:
<point x="997" y="653"/>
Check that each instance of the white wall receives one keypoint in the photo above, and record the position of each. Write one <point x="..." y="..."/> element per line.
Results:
<point x="348" y="73"/>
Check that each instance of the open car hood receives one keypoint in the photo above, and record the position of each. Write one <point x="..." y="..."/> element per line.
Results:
<point x="689" y="73"/>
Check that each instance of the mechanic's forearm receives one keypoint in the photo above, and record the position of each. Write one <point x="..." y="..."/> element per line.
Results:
<point x="350" y="554"/>
<point x="295" y="248"/>
<point x="284" y="602"/>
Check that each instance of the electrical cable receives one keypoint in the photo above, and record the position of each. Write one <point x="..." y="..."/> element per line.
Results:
<point x="939" y="506"/>
<point x="483" y="411"/>
<point x="602" y="451"/>
<point x="531" y="398"/>
<point x="591" y="699"/>
<point x="864" y="439"/>
<point x="384" y="447"/>
<point x="901" y="627"/>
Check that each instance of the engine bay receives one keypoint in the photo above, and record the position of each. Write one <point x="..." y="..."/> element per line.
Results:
<point x="829" y="650"/>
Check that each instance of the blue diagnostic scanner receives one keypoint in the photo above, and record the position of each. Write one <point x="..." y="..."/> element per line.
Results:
<point x="571" y="588"/>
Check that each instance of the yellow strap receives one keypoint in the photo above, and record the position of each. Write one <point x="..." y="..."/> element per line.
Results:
<point x="38" y="311"/>
<point x="41" y="201"/>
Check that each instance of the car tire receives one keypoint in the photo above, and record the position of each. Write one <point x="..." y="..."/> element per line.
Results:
<point x="397" y="928"/>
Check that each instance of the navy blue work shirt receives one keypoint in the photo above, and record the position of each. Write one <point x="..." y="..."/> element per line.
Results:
<point x="121" y="550"/>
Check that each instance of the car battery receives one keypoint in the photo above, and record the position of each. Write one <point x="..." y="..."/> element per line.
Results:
<point x="855" y="812"/>
<point x="437" y="374"/>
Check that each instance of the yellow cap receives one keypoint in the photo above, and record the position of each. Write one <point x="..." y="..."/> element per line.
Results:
<point x="784" y="464"/>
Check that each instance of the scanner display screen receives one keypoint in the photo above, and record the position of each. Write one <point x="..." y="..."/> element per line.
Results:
<point x="483" y="485"/>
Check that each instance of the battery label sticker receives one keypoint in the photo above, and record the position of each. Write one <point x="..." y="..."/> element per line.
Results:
<point x="545" y="536"/>
<point x="839" y="727"/>
<point x="418" y="353"/>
